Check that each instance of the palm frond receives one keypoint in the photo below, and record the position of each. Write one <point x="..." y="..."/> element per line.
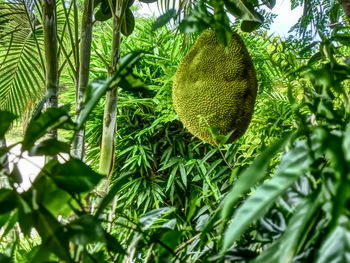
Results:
<point x="21" y="64"/>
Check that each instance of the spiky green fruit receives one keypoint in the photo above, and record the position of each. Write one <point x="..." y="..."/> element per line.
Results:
<point x="215" y="87"/>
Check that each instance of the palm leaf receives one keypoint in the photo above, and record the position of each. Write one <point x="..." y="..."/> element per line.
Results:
<point x="21" y="66"/>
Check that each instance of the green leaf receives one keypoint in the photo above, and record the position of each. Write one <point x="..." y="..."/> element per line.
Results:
<point x="270" y="3"/>
<point x="171" y="239"/>
<point x="104" y="13"/>
<point x="22" y="68"/>
<point x="25" y="215"/>
<point x="308" y="48"/>
<point x="299" y="227"/>
<point x="38" y="254"/>
<point x="113" y="245"/>
<point x="4" y="218"/>
<point x="49" y="147"/>
<point x="202" y="222"/>
<point x="4" y="156"/>
<point x="39" y="108"/>
<point x="150" y="217"/>
<point x="130" y="82"/>
<point x="253" y="174"/>
<point x="183" y="174"/>
<point x="105" y="7"/>
<point x="6" y="118"/>
<point x="344" y="39"/>
<point x="128" y="24"/>
<point x="198" y="20"/>
<point x="164" y="19"/>
<point x="96" y="3"/>
<point x="131" y="2"/>
<point x="98" y="88"/>
<point x="100" y="16"/>
<point x="112" y="192"/>
<point x="95" y="90"/>
<point x="334" y="12"/>
<point x="314" y="59"/>
<point x="5" y="259"/>
<point x="270" y="254"/>
<point x="45" y="189"/>
<point x="336" y="247"/>
<point x="249" y="26"/>
<point x="52" y="234"/>
<point x="50" y="119"/>
<point x="222" y="23"/>
<point x="85" y="230"/>
<point x="8" y="200"/>
<point x="245" y="11"/>
<point x="293" y="165"/>
<point x="10" y="224"/>
<point x="75" y="176"/>
<point x="172" y="162"/>
<point x="286" y="247"/>
<point x="15" y="175"/>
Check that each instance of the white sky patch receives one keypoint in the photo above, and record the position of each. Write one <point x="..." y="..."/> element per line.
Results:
<point x="29" y="166"/>
<point x="285" y="19"/>
<point x="148" y="10"/>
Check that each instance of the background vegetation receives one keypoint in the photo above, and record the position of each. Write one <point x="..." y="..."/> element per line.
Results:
<point x="155" y="193"/>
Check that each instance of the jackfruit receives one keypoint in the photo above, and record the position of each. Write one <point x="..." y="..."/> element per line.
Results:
<point x="215" y="87"/>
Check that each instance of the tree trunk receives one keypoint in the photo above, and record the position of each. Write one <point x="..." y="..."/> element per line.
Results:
<point x="84" y="68"/>
<point x="346" y="7"/>
<point x="51" y="60"/>
<point x="110" y="110"/>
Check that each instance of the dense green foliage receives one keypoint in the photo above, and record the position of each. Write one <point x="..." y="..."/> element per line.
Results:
<point x="278" y="194"/>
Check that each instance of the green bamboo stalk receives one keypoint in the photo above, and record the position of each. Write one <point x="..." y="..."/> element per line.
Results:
<point x="51" y="60"/>
<point x="84" y="68"/>
<point x="110" y="109"/>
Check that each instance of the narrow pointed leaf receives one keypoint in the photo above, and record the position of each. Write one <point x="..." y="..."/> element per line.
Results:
<point x="164" y="19"/>
<point x="293" y="165"/>
<point x="6" y="118"/>
<point x="254" y="173"/>
<point x="50" y="119"/>
<point x="49" y="147"/>
<point x="112" y="192"/>
<point x="336" y="248"/>
<point x="75" y="176"/>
